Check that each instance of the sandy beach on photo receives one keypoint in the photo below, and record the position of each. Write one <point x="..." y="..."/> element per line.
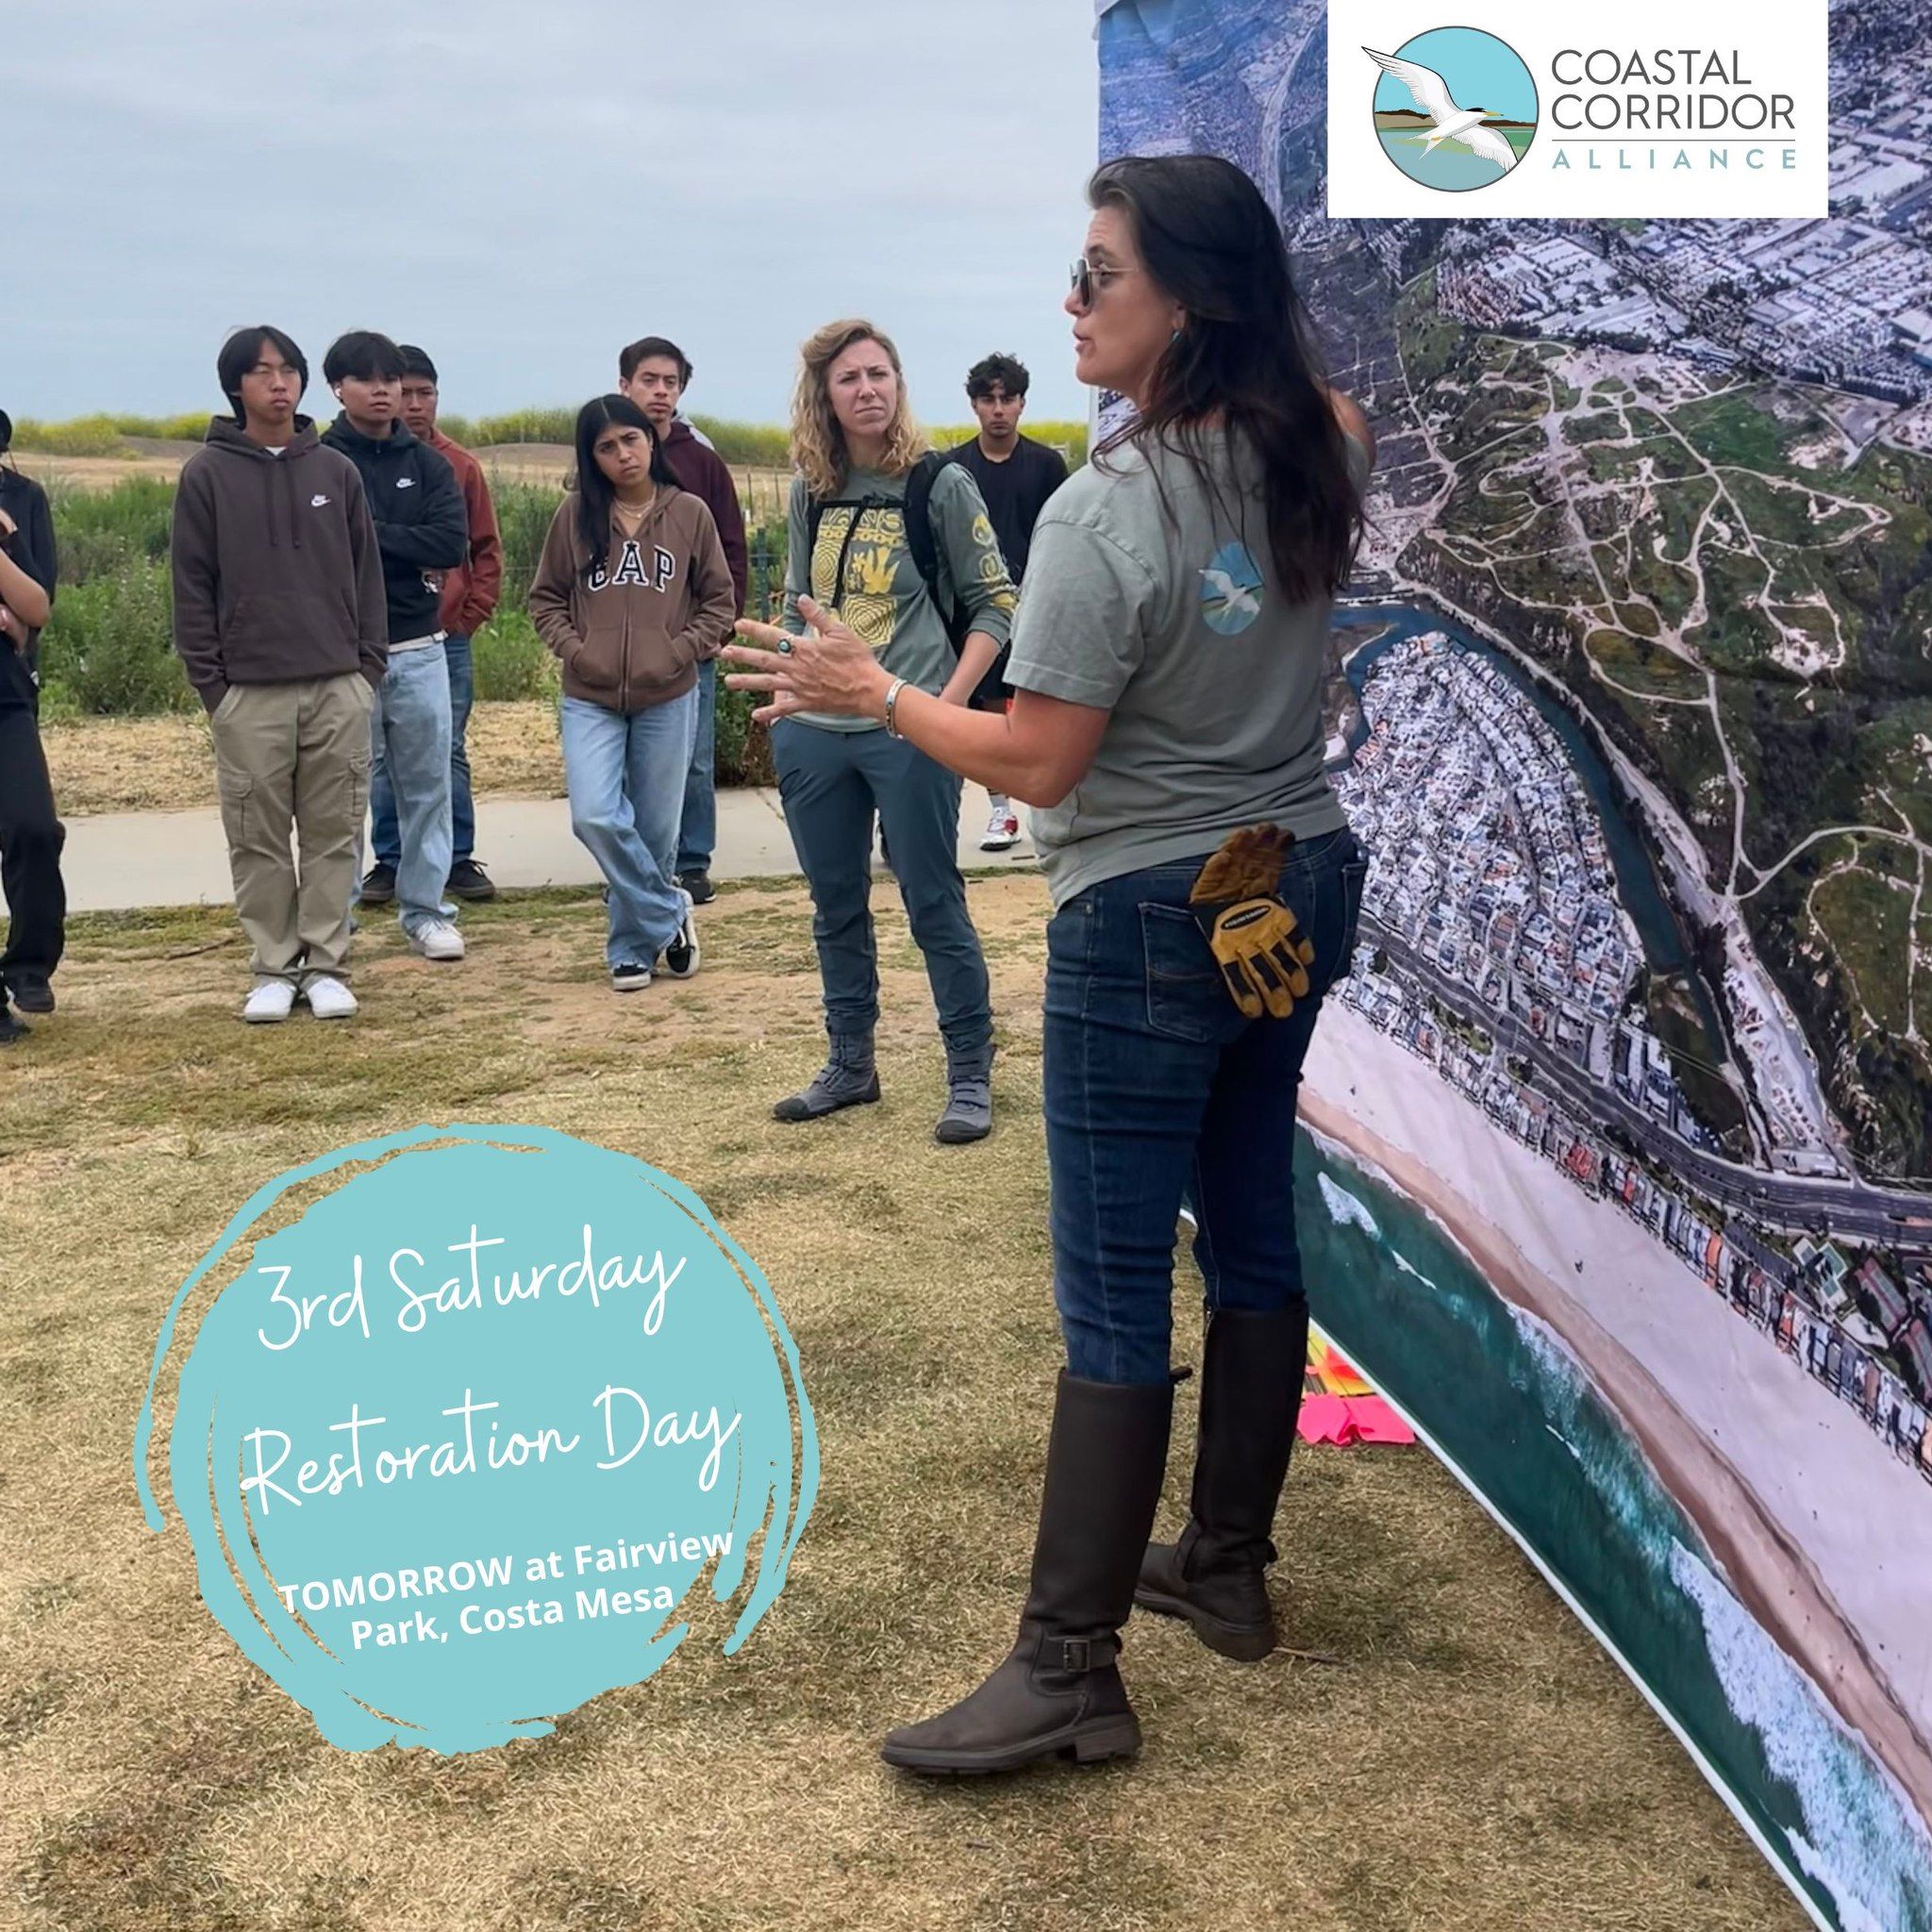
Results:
<point x="1800" y="1504"/>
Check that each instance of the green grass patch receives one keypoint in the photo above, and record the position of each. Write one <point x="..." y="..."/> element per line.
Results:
<point x="1867" y="922"/>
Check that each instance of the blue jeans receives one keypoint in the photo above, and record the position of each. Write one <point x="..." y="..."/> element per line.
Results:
<point x="626" y="777"/>
<point x="697" y="831"/>
<point x="833" y="783"/>
<point x="386" y="838"/>
<point x="409" y="752"/>
<point x="1158" y="1090"/>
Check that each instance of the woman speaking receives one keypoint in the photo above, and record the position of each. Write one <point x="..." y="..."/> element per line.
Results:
<point x="1168" y="661"/>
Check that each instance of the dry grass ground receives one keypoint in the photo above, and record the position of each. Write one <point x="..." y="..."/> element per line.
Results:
<point x="1470" y="1759"/>
<point x="167" y="763"/>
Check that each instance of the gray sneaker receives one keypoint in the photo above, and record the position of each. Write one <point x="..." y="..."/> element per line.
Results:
<point x="969" y="1097"/>
<point x="848" y="1078"/>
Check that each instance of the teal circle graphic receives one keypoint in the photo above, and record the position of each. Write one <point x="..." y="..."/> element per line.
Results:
<point x="1232" y="590"/>
<point x="457" y="1445"/>
<point x="1455" y="109"/>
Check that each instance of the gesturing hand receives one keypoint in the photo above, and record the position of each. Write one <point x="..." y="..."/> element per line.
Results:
<point x="831" y="668"/>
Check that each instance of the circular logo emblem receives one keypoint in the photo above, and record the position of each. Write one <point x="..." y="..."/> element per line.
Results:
<point x="1231" y="590"/>
<point x="1455" y="107"/>
<point x="475" y="1435"/>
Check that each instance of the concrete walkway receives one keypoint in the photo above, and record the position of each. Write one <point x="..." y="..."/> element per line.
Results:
<point x="118" y="862"/>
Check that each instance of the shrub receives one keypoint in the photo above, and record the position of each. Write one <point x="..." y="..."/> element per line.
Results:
<point x="524" y="512"/>
<point x="511" y="661"/>
<point x="762" y="445"/>
<point x="106" y="648"/>
<point x="99" y="530"/>
<point x="520" y="426"/>
<point x="85" y="436"/>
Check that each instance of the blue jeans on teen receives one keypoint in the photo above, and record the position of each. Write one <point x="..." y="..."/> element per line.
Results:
<point x="626" y="777"/>
<point x="1158" y="1090"/>
<point x="697" y="831"/>
<point x="409" y="752"/>
<point x="385" y="839"/>
<point x="833" y="784"/>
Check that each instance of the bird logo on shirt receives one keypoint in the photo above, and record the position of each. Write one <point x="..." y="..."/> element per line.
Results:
<point x="1231" y="590"/>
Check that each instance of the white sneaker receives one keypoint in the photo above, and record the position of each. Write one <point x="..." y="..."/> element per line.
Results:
<point x="328" y="998"/>
<point x="439" y="940"/>
<point x="268" y="1001"/>
<point x="681" y="956"/>
<point x="1002" y="827"/>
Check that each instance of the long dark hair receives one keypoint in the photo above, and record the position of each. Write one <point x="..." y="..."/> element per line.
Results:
<point x="595" y="493"/>
<point x="1209" y="240"/>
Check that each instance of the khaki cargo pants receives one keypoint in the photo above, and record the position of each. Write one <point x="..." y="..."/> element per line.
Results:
<point x="294" y="756"/>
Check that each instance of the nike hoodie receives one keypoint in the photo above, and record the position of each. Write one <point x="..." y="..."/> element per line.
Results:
<point x="276" y="572"/>
<point x="421" y="523"/>
<point x="632" y="632"/>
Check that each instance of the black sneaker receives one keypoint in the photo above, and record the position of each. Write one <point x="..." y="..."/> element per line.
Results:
<point x="698" y="884"/>
<point x="11" y="1028"/>
<point x="379" y="885"/>
<point x="468" y="880"/>
<point x="629" y="976"/>
<point x="681" y="956"/>
<point x="31" y="993"/>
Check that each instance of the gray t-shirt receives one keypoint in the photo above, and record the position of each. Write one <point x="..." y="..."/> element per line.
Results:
<point x="880" y="593"/>
<point x="1166" y="616"/>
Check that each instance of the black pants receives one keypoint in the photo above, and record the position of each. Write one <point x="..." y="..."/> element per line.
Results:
<point x="30" y="841"/>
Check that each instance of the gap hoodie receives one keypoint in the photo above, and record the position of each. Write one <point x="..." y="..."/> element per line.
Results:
<point x="276" y="572"/>
<point x="421" y="523"/>
<point x="632" y="634"/>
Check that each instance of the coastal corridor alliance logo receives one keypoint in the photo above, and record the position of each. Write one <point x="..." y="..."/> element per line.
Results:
<point x="1456" y="108"/>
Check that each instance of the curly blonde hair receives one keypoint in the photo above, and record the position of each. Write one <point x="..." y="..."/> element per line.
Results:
<point x="817" y="444"/>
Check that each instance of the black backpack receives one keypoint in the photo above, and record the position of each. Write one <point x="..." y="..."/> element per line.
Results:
<point x="919" y="538"/>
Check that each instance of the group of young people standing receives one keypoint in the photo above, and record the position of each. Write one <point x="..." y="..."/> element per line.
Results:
<point x="1165" y="724"/>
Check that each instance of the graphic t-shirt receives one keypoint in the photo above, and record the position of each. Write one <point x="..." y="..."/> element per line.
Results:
<point x="1166" y="616"/>
<point x="862" y="569"/>
<point x="1014" y="492"/>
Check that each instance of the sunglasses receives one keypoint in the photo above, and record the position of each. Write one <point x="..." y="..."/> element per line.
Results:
<point x="1085" y="279"/>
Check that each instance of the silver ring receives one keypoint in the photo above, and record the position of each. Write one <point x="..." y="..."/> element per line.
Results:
<point x="784" y="647"/>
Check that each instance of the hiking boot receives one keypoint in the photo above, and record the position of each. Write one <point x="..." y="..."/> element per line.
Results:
<point x="681" y="956"/>
<point x="269" y="1002"/>
<point x="698" y="884"/>
<point x="968" y="1115"/>
<point x="1002" y="827"/>
<point x="848" y="1078"/>
<point x="31" y="993"/>
<point x="468" y="880"/>
<point x="378" y="884"/>
<point x="1252" y="1369"/>
<point x="328" y="998"/>
<point x="1059" y="1693"/>
<point x="436" y="939"/>
<point x="629" y="976"/>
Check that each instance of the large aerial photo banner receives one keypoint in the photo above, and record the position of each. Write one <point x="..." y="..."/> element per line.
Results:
<point x="1619" y="1158"/>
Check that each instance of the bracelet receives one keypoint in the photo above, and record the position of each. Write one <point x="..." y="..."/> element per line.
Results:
<point x="893" y="690"/>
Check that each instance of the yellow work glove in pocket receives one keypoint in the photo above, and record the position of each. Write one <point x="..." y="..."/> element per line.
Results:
<point x="1263" y="958"/>
<point x="1257" y="941"/>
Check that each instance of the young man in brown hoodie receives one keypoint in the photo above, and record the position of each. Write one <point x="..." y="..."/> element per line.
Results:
<point x="279" y="619"/>
<point x="654" y="374"/>
<point x="633" y="594"/>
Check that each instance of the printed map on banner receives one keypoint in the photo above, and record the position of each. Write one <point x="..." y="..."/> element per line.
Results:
<point x="1623" y="1119"/>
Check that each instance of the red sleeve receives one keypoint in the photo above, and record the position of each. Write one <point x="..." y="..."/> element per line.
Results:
<point x="483" y="576"/>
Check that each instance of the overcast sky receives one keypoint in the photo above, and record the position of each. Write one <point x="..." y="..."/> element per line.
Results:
<point x="524" y="185"/>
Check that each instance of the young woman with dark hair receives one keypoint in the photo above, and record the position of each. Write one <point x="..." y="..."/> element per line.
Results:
<point x="1168" y="661"/>
<point x="632" y="593"/>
